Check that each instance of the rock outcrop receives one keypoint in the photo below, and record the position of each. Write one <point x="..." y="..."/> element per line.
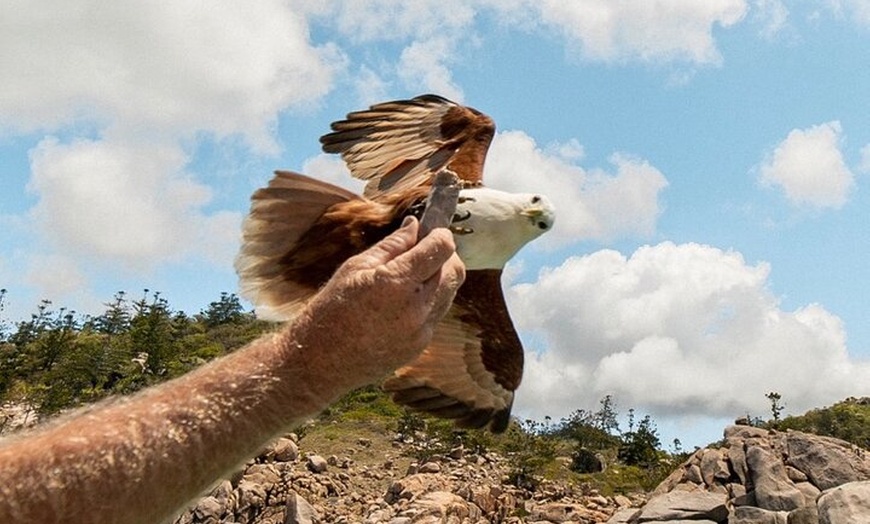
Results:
<point x="763" y="477"/>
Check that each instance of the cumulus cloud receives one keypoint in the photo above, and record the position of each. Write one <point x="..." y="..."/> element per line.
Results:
<point x="430" y="30"/>
<point x="434" y="33"/>
<point x="332" y="169"/>
<point x="126" y="94"/>
<point x="226" y="69"/>
<point x="610" y="30"/>
<point x="606" y="30"/>
<point x="371" y="87"/>
<point x="55" y="276"/>
<point x="372" y="20"/>
<point x="675" y="330"/>
<point x="590" y="203"/>
<point x="809" y="168"/>
<point x="125" y="202"/>
<point x="423" y="65"/>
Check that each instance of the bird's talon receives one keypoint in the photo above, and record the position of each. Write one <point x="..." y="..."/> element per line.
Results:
<point x="459" y="217"/>
<point x="458" y="230"/>
<point x="464" y="199"/>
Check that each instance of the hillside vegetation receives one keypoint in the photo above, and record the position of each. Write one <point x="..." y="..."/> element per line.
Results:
<point x="848" y="420"/>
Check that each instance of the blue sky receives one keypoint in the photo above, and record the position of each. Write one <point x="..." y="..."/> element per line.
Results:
<point x="709" y="162"/>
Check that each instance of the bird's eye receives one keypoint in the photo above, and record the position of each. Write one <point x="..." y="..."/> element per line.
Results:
<point x="543" y="225"/>
<point x="536" y="199"/>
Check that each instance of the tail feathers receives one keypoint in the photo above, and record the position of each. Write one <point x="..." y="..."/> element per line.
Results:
<point x="280" y="215"/>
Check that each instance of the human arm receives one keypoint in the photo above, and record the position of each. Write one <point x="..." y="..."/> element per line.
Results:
<point x="140" y="459"/>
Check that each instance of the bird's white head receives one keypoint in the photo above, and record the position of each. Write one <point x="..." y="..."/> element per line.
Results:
<point x="490" y="226"/>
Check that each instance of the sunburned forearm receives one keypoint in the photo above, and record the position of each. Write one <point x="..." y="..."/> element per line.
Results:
<point x="138" y="460"/>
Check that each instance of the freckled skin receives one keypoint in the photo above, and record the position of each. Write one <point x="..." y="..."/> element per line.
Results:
<point x="141" y="459"/>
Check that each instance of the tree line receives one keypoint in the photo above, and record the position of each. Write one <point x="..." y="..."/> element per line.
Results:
<point x="58" y="359"/>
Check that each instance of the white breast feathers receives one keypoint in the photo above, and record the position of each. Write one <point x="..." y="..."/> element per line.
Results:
<point x="490" y="226"/>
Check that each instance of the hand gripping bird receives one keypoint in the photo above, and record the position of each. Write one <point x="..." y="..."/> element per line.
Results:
<point x="300" y="230"/>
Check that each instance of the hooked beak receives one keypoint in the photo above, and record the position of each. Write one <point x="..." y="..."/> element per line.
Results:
<point x="541" y="217"/>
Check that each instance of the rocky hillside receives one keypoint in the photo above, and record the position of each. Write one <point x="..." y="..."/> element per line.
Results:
<point x="755" y="476"/>
<point x="370" y="477"/>
<point x="760" y="476"/>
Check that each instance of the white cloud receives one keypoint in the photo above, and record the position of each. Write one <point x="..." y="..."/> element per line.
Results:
<point x="423" y="67"/>
<point x="809" y="167"/>
<point x="601" y="29"/>
<point x="432" y="31"/>
<point x="370" y="86"/>
<point x="374" y="20"/>
<point x="149" y="81"/>
<point x="226" y="68"/>
<point x="675" y="330"/>
<point x="125" y="202"/>
<point x="590" y="203"/>
<point x="772" y="16"/>
<point x="332" y="169"/>
<point x="651" y="31"/>
<point x="55" y="277"/>
<point x="436" y="34"/>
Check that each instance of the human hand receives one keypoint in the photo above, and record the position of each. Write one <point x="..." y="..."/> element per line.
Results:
<point x="380" y="308"/>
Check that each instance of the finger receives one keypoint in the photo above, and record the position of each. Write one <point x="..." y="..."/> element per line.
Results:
<point x="449" y="279"/>
<point x="426" y="258"/>
<point x="392" y="246"/>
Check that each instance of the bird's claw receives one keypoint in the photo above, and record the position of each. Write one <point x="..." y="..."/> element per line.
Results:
<point x="460" y="217"/>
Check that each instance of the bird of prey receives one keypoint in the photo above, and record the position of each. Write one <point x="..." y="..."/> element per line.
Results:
<point x="300" y="230"/>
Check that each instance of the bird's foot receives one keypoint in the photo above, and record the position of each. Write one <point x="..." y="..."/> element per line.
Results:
<point x="460" y="217"/>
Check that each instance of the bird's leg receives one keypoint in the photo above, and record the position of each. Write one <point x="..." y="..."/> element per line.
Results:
<point x="461" y="217"/>
<point x="460" y="230"/>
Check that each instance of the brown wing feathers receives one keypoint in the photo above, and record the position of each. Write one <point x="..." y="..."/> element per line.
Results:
<point x="402" y="144"/>
<point x="473" y="364"/>
<point x="298" y="231"/>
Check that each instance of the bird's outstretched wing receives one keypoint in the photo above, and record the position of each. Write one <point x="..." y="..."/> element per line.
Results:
<point x="473" y="365"/>
<point x="298" y="231"/>
<point x="402" y="144"/>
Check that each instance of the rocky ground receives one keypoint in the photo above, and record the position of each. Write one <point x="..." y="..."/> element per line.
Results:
<point x="362" y="474"/>
<point x="755" y="476"/>
<point x="373" y="480"/>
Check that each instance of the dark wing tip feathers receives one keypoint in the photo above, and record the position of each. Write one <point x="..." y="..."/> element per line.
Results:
<point x="430" y="400"/>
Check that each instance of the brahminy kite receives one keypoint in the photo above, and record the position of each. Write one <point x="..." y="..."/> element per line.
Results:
<point x="300" y="230"/>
